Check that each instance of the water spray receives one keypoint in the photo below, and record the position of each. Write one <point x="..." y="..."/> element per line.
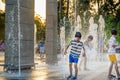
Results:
<point x="19" y="33"/>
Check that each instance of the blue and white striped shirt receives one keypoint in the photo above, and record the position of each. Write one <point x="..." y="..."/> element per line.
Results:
<point x="76" y="47"/>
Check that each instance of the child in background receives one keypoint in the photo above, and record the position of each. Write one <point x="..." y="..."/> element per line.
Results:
<point x="42" y="49"/>
<point x="112" y="55"/>
<point x="88" y="47"/>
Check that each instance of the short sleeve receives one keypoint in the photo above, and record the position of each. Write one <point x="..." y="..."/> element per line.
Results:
<point x="70" y="43"/>
<point x="82" y="44"/>
<point x="112" y="41"/>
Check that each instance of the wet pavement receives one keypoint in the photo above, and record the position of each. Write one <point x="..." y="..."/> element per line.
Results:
<point x="97" y="70"/>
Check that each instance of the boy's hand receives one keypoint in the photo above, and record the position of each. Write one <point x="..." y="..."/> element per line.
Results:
<point x="65" y="52"/>
<point x="84" y="54"/>
<point x="113" y="45"/>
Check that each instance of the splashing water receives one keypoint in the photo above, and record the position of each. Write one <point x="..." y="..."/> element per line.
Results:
<point x="19" y="37"/>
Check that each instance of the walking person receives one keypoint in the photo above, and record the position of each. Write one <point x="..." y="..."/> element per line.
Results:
<point x="75" y="52"/>
<point x="42" y="49"/>
<point x="112" y="55"/>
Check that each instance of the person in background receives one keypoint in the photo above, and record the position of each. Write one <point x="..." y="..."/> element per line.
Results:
<point x="112" y="55"/>
<point x="42" y="49"/>
<point x="88" y="47"/>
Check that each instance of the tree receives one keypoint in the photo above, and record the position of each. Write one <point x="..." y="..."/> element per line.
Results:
<point x="67" y="10"/>
<point x="41" y="28"/>
<point x="111" y="10"/>
<point x="3" y="1"/>
<point x="2" y="25"/>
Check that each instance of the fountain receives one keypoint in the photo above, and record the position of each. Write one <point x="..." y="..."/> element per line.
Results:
<point x="11" y="35"/>
<point x="19" y="37"/>
<point x="87" y="26"/>
<point x="78" y="25"/>
<point x="62" y="39"/>
<point x="19" y="40"/>
<point x="94" y="32"/>
<point x="84" y="20"/>
<point x="101" y="33"/>
<point x="51" y="48"/>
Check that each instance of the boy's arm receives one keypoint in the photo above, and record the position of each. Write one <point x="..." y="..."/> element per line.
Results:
<point x="84" y="53"/>
<point x="66" y="50"/>
<point x="114" y="45"/>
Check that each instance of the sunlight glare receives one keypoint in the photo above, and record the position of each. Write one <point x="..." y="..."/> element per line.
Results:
<point x="40" y="8"/>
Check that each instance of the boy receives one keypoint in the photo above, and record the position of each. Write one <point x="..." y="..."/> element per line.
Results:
<point x="41" y="47"/>
<point x="88" y="47"/>
<point x="112" y="56"/>
<point x="76" y="47"/>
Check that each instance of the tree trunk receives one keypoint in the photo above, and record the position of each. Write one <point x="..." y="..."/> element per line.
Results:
<point x="61" y="1"/>
<point x="67" y="9"/>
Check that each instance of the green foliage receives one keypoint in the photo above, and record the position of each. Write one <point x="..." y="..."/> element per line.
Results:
<point x="2" y="25"/>
<point x="109" y="26"/>
<point x="67" y="31"/>
<point x="3" y="1"/>
<point x="111" y="11"/>
<point x="82" y="6"/>
<point x="40" y="28"/>
<point x="118" y="29"/>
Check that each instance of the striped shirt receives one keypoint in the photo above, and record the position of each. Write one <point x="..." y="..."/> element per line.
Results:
<point x="76" y="47"/>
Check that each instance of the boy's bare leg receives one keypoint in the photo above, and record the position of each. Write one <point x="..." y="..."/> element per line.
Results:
<point x="110" y="68"/>
<point x="85" y="63"/>
<point x="116" y="68"/>
<point x="81" y="61"/>
<point x="40" y="55"/>
<point x="43" y="55"/>
<point x="70" y="67"/>
<point x="76" y="70"/>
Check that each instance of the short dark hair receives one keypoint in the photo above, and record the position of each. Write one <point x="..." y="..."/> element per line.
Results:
<point x="78" y="34"/>
<point x="113" y="32"/>
<point x="90" y="37"/>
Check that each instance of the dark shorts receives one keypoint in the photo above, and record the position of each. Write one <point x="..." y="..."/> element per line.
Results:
<point x="73" y="59"/>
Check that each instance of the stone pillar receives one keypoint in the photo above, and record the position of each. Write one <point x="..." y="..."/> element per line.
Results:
<point x="35" y="43"/>
<point x="26" y="33"/>
<point x="51" y="31"/>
